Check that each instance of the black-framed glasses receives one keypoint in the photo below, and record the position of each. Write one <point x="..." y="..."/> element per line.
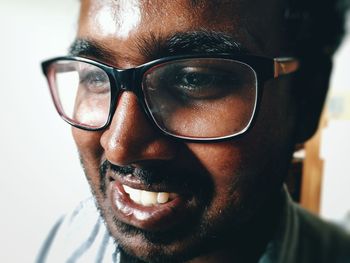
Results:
<point x="191" y="97"/>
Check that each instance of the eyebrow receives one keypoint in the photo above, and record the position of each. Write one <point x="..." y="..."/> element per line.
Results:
<point x="89" y="48"/>
<point x="153" y="46"/>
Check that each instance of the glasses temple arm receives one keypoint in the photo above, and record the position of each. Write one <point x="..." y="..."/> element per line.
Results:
<point x="283" y="66"/>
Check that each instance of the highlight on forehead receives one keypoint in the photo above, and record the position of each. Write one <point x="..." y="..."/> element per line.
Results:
<point x="119" y="18"/>
<point x="192" y="3"/>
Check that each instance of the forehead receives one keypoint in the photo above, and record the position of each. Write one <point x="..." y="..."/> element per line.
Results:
<point x="150" y="11"/>
<point x="123" y="24"/>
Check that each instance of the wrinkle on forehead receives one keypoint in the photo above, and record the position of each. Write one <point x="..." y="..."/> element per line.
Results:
<point x="119" y="17"/>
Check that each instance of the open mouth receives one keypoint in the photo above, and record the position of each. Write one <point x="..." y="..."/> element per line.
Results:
<point x="151" y="208"/>
<point x="147" y="198"/>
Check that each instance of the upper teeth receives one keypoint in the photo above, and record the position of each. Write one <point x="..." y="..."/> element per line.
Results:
<point x="146" y="198"/>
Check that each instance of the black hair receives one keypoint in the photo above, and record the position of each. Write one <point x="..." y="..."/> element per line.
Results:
<point x="315" y="27"/>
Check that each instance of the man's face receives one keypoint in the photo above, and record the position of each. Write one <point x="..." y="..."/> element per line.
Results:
<point x="215" y="188"/>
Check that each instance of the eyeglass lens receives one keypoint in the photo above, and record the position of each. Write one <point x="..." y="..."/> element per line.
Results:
<point x="194" y="98"/>
<point x="201" y="98"/>
<point x="81" y="92"/>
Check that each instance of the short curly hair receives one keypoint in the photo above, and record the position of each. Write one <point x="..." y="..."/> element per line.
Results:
<point x="315" y="26"/>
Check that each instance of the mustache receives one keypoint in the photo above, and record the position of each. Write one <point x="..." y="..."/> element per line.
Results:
<point x="160" y="174"/>
<point x="195" y="181"/>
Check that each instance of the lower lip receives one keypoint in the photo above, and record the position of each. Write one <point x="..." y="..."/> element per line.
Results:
<point x="151" y="218"/>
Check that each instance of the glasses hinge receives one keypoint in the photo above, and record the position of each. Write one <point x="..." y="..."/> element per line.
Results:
<point x="285" y="65"/>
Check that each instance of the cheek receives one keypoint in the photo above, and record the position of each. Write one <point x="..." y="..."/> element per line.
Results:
<point x="236" y="172"/>
<point x="258" y="158"/>
<point x="220" y="160"/>
<point x="225" y="163"/>
<point x="229" y="161"/>
<point x="89" y="148"/>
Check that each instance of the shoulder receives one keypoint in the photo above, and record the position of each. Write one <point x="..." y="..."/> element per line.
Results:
<point x="305" y="238"/>
<point x="326" y="240"/>
<point x="78" y="236"/>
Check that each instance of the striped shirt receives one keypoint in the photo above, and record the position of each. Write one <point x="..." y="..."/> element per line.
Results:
<point x="82" y="237"/>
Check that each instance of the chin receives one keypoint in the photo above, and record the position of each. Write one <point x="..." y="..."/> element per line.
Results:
<point x="180" y="243"/>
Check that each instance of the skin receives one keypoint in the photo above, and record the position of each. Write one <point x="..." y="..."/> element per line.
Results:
<point x="242" y="177"/>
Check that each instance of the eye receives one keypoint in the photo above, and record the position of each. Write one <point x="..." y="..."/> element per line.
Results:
<point x="197" y="79"/>
<point x="204" y="83"/>
<point x="95" y="81"/>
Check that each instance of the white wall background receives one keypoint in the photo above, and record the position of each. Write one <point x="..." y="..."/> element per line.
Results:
<point x="335" y="142"/>
<point x="40" y="176"/>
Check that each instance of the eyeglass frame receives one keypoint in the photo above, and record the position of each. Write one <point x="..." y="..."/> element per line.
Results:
<point x="131" y="80"/>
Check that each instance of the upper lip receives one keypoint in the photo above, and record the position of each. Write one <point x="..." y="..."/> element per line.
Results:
<point x="134" y="182"/>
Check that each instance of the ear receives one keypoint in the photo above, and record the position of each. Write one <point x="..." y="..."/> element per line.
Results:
<point x="312" y="82"/>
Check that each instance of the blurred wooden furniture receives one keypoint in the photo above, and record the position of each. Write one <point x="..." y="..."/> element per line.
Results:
<point x="305" y="177"/>
<point x="312" y="175"/>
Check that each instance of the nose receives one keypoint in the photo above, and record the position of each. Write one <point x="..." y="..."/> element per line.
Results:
<point x="131" y="138"/>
